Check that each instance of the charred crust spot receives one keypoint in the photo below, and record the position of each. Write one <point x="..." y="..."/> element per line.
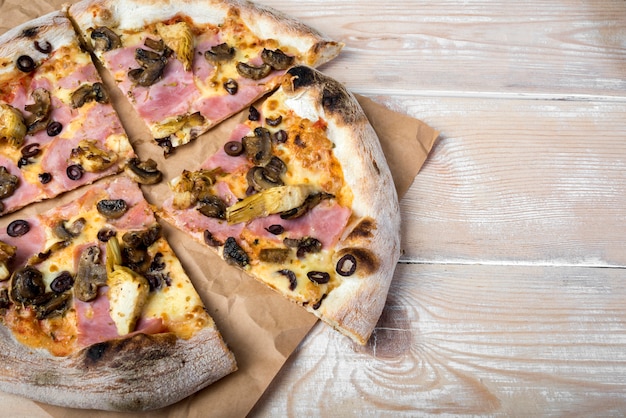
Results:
<point x="367" y="262"/>
<point x="333" y="99"/>
<point x="376" y="167"/>
<point x="30" y="32"/>
<point x="364" y="229"/>
<point x="129" y="353"/>
<point x="302" y="76"/>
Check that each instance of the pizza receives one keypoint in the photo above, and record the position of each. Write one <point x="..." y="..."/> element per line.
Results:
<point x="58" y="130"/>
<point x="300" y="197"/>
<point x="188" y="65"/>
<point x="97" y="309"/>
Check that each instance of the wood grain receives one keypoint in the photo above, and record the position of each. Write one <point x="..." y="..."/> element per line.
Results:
<point x="523" y="341"/>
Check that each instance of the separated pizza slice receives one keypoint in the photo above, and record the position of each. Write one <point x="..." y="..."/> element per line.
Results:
<point x="97" y="311"/>
<point x="57" y="128"/>
<point x="301" y="197"/>
<point x="185" y="66"/>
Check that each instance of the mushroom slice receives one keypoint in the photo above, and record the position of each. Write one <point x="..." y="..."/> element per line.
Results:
<point x="8" y="183"/>
<point x="143" y="172"/>
<point x="67" y="232"/>
<point x="112" y="208"/>
<point x="88" y="93"/>
<point x="310" y="202"/>
<point x="104" y="39"/>
<point x="26" y="285"/>
<point x="277" y="59"/>
<point x="253" y="72"/>
<point x="91" y="158"/>
<point x="258" y="147"/>
<point x="213" y="207"/>
<point x="91" y="274"/>
<point x="7" y="252"/>
<point x="12" y="126"/>
<point x="40" y="111"/>
<point x="220" y="53"/>
<point x="179" y="38"/>
<point x="265" y="203"/>
<point x="260" y="178"/>
<point x="128" y="293"/>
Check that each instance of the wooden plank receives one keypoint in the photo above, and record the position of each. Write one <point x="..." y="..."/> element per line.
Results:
<point x="518" y="181"/>
<point x="564" y="47"/>
<point x="526" y="341"/>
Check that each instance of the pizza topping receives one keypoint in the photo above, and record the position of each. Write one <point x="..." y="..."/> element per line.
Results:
<point x="105" y="234"/>
<point x="68" y="232"/>
<point x="209" y="239"/>
<point x="179" y="38"/>
<point x="274" y="255"/>
<point x="252" y="71"/>
<point x="253" y="114"/>
<point x="128" y="293"/>
<point x="213" y="207"/>
<point x="293" y="281"/>
<point x="91" y="274"/>
<point x="104" y="39"/>
<point x="88" y="93"/>
<point x="274" y="121"/>
<point x="62" y="283"/>
<point x="112" y="208"/>
<point x="151" y="70"/>
<point x="310" y="202"/>
<point x="30" y="150"/>
<point x="92" y="158"/>
<point x="45" y="177"/>
<point x="304" y="245"/>
<point x="317" y="304"/>
<point x="231" y="86"/>
<point x="143" y="238"/>
<point x="280" y="136"/>
<point x="12" y="126"/>
<point x="220" y="53"/>
<point x="189" y="120"/>
<point x="319" y="277"/>
<point x="275" y="229"/>
<point x="44" y="46"/>
<point x="262" y="178"/>
<point x="346" y="266"/>
<point x="274" y="200"/>
<point x="26" y="285"/>
<point x="234" y="254"/>
<point x="52" y="304"/>
<point x="156" y="274"/>
<point x="8" y="183"/>
<point x="277" y="59"/>
<point x="74" y="172"/>
<point x="233" y="148"/>
<point x="54" y="128"/>
<point x="7" y="252"/>
<point x="40" y="111"/>
<point x="17" y="228"/>
<point x="143" y="172"/>
<point x="190" y="186"/>
<point x="25" y="64"/>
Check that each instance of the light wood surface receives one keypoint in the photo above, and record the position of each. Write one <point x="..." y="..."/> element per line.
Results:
<point x="510" y="297"/>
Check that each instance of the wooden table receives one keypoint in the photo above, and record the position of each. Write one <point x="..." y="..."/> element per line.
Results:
<point x="510" y="297"/>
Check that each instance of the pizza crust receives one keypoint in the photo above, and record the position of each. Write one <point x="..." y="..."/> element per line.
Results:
<point x="373" y="235"/>
<point x="140" y="372"/>
<point x="262" y="20"/>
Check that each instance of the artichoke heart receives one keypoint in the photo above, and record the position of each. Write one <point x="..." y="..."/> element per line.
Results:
<point x="190" y="187"/>
<point x="268" y="202"/>
<point x="92" y="158"/>
<point x="12" y="126"/>
<point x="189" y="120"/>
<point x="7" y="252"/>
<point x="179" y="38"/>
<point x="128" y="293"/>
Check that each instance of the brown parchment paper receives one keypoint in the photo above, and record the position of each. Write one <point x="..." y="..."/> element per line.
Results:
<point x="260" y="327"/>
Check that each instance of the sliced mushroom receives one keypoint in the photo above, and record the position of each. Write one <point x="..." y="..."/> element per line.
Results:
<point x="310" y="202"/>
<point x="253" y="72"/>
<point x="258" y="148"/>
<point x="26" y="285"/>
<point x="88" y="93"/>
<point x="274" y="255"/>
<point x="234" y="254"/>
<point x="179" y="38"/>
<point x="92" y="158"/>
<point x="157" y="45"/>
<point x="152" y="67"/>
<point x="143" y="172"/>
<point x="8" y="183"/>
<point x="68" y="232"/>
<point x="277" y="59"/>
<point x="12" y="126"/>
<point x="157" y="275"/>
<point x="40" y="111"/>
<point x="91" y="274"/>
<point x="54" y="304"/>
<point x="213" y="207"/>
<point x="7" y="252"/>
<point x="104" y="39"/>
<point x="112" y="208"/>
<point x="220" y="53"/>
<point x="260" y="178"/>
<point x="143" y="238"/>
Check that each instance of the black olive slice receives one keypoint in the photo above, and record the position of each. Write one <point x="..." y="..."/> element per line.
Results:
<point x="54" y="128"/>
<point x="18" y="228"/>
<point x="280" y="136"/>
<point x="275" y="229"/>
<point x="25" y="64"/>
<point x="209" y="239"/>
<point x="253" y="114"/>
<point x="45" y="177"/>
<point x="44" y="47"/>
<point x="74" y="172"/>
<point x="231" y="86"/>
<point x="30" y="150"/>
<point x="233" y="148"/>
<point x="105" y="234"/>
<point x="274" y="121"/>
<point x="62" y="283"/>
<point x="293" y="281"/>
<point x="317" y="304"/>
<point x="319" y="277"/>
<point x="346" y="266"/>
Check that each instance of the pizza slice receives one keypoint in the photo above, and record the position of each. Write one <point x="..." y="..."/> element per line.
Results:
<point x="187" y="66"/>
<point x="97" y="311"/>
<point x="301" y="198"/>
<point x="58" y="130"/>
